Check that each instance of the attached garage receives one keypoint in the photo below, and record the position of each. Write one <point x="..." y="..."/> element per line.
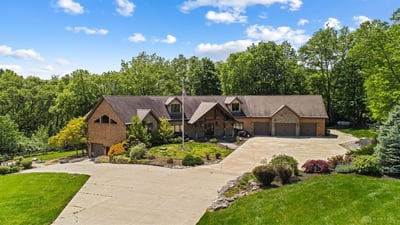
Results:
<point x="308" y="129"/>
<point x="285" y="129"/>
<point x="261" y="128"/>
<point x="97" y="149"/>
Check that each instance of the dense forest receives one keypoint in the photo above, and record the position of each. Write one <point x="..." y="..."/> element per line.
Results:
<point x="356" y="71"/>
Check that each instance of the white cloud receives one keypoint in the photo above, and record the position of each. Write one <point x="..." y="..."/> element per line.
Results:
<point x="279" y="34"/>
<point x="63" y="62"/>
<point x="360" y="19"/>
<point x="125" y="7"/>
<point x="239" y="5"/>
<point x="222" y="51"/>
<point x="70" y="6"/>
<point x="302" y="22"/>
<point x="20" y="53"/>
<point x="137" y="37"/>
<point x="89" y="31"/>
<point x="226" y="17"/>
<point x="332" y="23"/>
<point x="169" y="39"/>
<point x="48" y="68"/>
<point x="15" y="68"/>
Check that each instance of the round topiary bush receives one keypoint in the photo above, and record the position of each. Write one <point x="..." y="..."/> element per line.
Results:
<point x="282" y="160"/>
<point x="284" y="172"/>
<point x="4" y="170"/>
<point x="26" y="163"/>
<point x="264" y="174"/>
<point x="190" y="160"/>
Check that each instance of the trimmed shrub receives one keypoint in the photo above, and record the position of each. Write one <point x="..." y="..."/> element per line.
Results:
<point x="102" y="159"/>
<point x="121" y="159"/>
<point x="264" y="174"/>
<point x="282" y="160"/>
<point x="190" y="160"/>
<point x="344" y="168"/>
<point x="14" y="169"/>
<point x="284" y="172"/>
<point x="26" y="163"/>
<point x="367" y="165"/>
<point x="316" y="166"/>
<point x="138" y="151"/>
<point x="117" y="149"/>
<point x="4" y="170"/>
<point x="217" y="155"/>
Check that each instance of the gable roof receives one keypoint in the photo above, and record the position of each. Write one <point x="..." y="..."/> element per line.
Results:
<point x="230" y="99"/>
<point x="283" y="107"/>
<point x="204" y="108"/>
<point x="305" y="106"/>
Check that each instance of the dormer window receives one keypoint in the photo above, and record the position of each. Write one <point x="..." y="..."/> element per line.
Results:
<point x="175" y="108"/>
<point x="235" y="107"/>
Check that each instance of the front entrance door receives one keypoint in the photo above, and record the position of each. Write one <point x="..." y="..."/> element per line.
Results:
<point x="210" y="129"/>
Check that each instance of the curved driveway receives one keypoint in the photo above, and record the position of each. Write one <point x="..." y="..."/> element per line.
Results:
<point x="138" y="194"/>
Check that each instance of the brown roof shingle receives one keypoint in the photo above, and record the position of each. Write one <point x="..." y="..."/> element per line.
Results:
<point x="306" y="106"/>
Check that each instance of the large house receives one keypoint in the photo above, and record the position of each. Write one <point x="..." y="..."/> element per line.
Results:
<point x="206" y="116"/>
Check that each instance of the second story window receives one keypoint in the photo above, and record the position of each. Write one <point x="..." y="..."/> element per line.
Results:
<point x="175" y="108"/>
<point x="235" y="107"/>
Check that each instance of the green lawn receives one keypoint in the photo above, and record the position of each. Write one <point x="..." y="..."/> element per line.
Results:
<point x="36" y="198"/>
<point x="360" y="133"/>
<point x="192" y="148"/>
<point x="55" y="155"/>
<point x="328" y="199"/>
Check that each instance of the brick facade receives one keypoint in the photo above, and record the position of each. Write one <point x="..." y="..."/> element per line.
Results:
<point x="104" y="134"/>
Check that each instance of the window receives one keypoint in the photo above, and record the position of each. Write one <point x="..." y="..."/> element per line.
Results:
<point x="97" y="121"/>
<point x="149" y="127"/>
<point x="113" y="122"/>
<point x="238" y="125"/>
<point x="177" y="128"/>
<point x="235" y="107"/>
<point x="105" y="119"/>
<point x="175" y="108"/>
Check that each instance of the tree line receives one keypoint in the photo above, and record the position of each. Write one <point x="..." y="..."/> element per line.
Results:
<point x="356" y="72"/>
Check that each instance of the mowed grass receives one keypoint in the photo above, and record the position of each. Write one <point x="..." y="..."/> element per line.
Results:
<point x="360" y="133"/>
<point x="191" y="148"/>
<point x="328" y="199"/>
<point x="36" y="198"/>
<point x="55" y="155"/>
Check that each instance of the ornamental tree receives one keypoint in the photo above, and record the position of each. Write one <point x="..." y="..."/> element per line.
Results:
<point x="388" y="147"/>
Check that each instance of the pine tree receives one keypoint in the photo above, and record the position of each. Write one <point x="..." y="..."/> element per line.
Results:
<point x="388" y="147"/>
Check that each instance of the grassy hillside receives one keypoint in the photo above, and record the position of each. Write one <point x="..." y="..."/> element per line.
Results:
<point x="329" y="199"/>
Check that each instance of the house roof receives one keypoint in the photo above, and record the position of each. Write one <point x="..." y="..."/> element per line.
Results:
<point x="204" y="108"/>
<point x="305" y="106"/>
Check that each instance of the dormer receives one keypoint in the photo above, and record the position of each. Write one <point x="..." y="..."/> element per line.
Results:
<point x="233" y="103"/>
<point x="174" y="105"/>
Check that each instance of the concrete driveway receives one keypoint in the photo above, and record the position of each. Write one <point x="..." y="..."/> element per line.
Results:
<point x="137" y="194"/>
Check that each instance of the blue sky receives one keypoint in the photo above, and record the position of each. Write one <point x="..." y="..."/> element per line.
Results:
<point x="55" y="37"/>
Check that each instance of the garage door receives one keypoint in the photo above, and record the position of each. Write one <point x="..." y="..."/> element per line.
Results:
<point x="308" y="129"/>
<point x="97" y="149"/>
<point x="261" y="128"/>
<point x="285" y="129"/>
